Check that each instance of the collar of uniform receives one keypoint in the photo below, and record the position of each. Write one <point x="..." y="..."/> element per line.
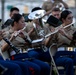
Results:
<point x="11" y="31"/>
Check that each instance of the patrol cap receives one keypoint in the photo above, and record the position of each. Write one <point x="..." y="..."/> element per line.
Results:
<point x="53" y="21"/>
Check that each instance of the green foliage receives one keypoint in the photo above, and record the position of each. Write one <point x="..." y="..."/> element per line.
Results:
<point x="9" y="7"/>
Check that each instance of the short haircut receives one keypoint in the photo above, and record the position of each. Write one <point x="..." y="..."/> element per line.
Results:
<point x="36" y="8"/>
<point x="14" y="8"/>
<point x="56" y="9"/>
<point x="16" y="18"/>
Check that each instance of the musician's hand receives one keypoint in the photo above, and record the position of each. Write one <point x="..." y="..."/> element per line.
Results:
<point x="33" y="29"/>
<point x="13" y="36"/>
<point x="52" y="29"/>
<point x="62" y="31"/>
<point x="21" y="34"/>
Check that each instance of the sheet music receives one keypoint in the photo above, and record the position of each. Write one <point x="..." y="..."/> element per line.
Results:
<point x="40" y="40"/>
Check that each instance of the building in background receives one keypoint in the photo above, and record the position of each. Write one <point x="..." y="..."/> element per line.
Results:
<point x="25" y="6"/>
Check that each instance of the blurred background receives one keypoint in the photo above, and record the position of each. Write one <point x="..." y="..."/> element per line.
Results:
<point x="25" y="6"/>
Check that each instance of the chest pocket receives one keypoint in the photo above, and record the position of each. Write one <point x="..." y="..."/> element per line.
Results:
<point x="18" y="41"/>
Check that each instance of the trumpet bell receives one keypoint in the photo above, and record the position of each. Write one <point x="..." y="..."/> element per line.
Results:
<point x="36" y="14"/>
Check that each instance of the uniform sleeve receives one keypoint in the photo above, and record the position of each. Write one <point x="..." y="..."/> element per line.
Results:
<point x="29" y="26"/>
